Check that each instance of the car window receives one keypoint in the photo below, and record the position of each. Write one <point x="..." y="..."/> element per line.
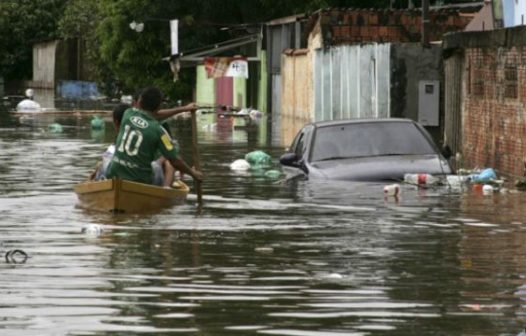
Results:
<point x="369" y="139"/>
<point x="300" y="145"/>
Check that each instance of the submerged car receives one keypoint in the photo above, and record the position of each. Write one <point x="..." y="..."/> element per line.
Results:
<point x="364" y="150"/>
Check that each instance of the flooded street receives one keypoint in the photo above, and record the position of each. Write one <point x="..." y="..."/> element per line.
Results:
<point x="264" y="257"/>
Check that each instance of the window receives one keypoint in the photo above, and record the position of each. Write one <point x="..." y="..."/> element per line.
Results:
<point x="369" y="139"/>
<point x="510" y="81"/>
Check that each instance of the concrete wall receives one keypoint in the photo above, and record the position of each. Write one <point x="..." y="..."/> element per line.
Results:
<point x="410" y="64"/>
<point x="494" y="105"/>
<point x="44" y="64"/>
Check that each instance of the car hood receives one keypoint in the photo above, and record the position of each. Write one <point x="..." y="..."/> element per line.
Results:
<point x="378" y="168"/>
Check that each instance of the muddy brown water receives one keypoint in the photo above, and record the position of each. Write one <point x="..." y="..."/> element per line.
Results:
<point x="264" y="257"/>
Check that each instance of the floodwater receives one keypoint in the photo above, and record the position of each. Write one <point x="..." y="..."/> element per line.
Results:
<point x="263" y="257"/>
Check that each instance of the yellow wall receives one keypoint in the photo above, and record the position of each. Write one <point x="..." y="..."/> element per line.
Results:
<point x="297" y="94"/>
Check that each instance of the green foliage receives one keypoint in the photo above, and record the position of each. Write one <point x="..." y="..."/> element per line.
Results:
<point x="23" y="23"/>
<point x="79" y="19"/>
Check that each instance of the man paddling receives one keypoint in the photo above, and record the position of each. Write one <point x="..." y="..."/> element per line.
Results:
<point x="141" y="137"/>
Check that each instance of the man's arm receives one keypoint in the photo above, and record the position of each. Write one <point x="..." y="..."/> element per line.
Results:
<point x="180" y="165"/>
<point x="167" y="113"/>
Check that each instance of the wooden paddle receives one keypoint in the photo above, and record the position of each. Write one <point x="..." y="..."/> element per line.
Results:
<point x="197" y="163"/>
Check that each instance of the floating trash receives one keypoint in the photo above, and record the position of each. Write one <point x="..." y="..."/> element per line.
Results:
<point x="240" y="165"/>
<point x="421" y="179"/>
<point x="97" y="123"/>
<point x="16" y="257"/>
<point x="258" y="159"/>
<point x="264" y="249"/>
<point x="28" y="105"/>
<point x="92" y="229"/>
<point x="457" y="180"/>
<point x="484" y="176"/>
<point x="333" y="276"/>
<point x="55" y="128"/>
<point x="392" y="190"/>
<point x="487" y="189"/>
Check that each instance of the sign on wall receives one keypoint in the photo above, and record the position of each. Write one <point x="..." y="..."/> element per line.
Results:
<point x="226" y="67"/>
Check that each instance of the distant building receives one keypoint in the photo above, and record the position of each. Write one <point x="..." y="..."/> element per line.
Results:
<point x="366" y="63"/>
<point x="511" y="12"/>
<point x="484" y="19"/>
<point x="485" y="97"/>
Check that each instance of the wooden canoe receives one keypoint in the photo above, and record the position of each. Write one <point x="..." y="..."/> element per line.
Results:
<point x="117" y="195"/>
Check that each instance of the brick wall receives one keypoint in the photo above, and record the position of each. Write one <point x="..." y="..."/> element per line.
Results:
<point x="494" y="109"/>
<point x="343" y="26"/>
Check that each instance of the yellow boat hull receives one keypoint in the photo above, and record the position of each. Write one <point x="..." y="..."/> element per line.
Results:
<point x="125" y="196"/>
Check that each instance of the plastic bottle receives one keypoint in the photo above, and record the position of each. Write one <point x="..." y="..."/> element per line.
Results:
<point x="420" y="179"/>
<point x="487" y="189"/>
<point x="457" y="180"/>
<point x="392" y="190"/>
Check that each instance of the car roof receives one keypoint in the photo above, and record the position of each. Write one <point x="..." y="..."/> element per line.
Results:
<point x="359" y="121"/>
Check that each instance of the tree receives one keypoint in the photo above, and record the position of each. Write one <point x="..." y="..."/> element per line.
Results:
<point x="23" y="23"/>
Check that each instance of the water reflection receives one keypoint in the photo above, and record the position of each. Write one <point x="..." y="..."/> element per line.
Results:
<point x="265" y="256"/>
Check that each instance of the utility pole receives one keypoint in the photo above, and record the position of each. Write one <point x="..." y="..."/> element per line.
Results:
<point x="425" y="23"/>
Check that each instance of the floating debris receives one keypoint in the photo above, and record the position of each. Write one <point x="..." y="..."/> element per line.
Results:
<point x="264" y="249"/>
<point x="392" y="190"/>
<point x="55" y="128"/>
<point x="92" y="230"/>
<point x="97" y="123"/>
<point x="240" y="165"/>
<point x="258" y="159"/>
<point x="16" y="256"/>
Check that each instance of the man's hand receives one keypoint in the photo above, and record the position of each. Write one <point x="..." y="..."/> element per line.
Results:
<point x="197" y="175"/>
<point x="191" y="107"/>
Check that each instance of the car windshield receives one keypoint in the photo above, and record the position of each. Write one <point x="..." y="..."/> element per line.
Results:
<point x="369" y="139"/>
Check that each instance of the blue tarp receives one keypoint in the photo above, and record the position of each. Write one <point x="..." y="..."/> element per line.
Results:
<point x="69" y="89"/>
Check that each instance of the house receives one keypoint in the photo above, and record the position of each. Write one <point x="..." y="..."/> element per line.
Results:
<point x="366" y="63"/>
<point x="485" y="118"/>
<point x="263" y="87"/>
<point x="237" y="92"/>
<point x="484" y="97"/>
<point x="509" y="13"/>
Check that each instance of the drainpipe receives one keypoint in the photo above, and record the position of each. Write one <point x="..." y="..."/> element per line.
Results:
<point x="425" y="23"/>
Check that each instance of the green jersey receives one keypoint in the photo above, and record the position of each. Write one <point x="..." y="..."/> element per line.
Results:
<point x="141" y="138"/>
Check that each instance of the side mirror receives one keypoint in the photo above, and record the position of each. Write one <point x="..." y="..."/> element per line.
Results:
<point x="446" y="152"/>
<point x="289" y="159"/>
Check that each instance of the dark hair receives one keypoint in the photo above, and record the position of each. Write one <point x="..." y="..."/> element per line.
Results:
<point x="151" y="98"/>
<point x="118" y="112"/>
